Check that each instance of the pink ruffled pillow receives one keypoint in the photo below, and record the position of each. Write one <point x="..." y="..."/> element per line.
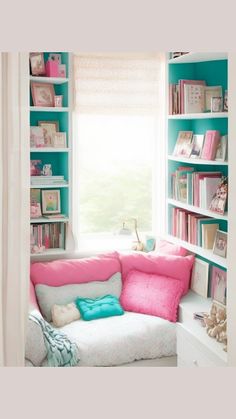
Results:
<point x="167" y="248"/>
<point x="151" y="294"/>
<point x="176" y="267"/>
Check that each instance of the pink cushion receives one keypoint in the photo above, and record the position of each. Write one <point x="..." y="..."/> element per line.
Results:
<point x="176" y="267"/>
<point x="151" y="294"/>
<point x="169" y="249"/>
<point x="75" y="271"/>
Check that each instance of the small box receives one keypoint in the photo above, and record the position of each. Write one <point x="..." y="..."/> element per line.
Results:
<point x="52" y="69"/>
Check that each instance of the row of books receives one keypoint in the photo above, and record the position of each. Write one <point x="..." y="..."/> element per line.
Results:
<point x="48" y="180"/>
<point x="192" y="96"/>
<point x="48" y="236"/>
<point x="194" y="228"/>
<point x="207" y="190"/>
<point x="208" y="146"/>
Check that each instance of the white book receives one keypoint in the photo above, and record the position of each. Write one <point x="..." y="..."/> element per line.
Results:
<point x="209" y="187"/>
<point x="194" y="98"/>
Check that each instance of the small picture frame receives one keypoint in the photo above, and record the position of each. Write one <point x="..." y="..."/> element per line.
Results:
<point x="62" y="70"/>
<point x="221" y="151"/>
<point x="216" y="104"/>
<point x="49" y="129"/>
<point x="58" y="101"/>
<point x="200" y="277"/>
<point x="220" y="244"/>
<point x="218" y="284"/>
<point x="36" y="137"/>
<point x="51" y="201"/>
<point x="37" y="64"/>
<point x="55" y="57"/>
<point x="225" y="106"/>
<point x="59" y="140"/>
<point x="219" y="199"/>
<point x="42" y="94"/>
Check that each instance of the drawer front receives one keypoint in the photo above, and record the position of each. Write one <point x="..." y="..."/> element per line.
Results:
<point x="190" y="352"/>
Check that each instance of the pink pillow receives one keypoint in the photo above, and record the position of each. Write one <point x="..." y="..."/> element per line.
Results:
<point x="176" y="267"/>
<point x="151" y="294"/>
<point x="169" y="249"/>
<point x="75" y="271"/>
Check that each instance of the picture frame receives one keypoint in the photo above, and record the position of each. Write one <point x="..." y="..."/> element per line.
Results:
<point x="36" y="137"/>
<point x="43" y="94"/>
<point x="62" y="70"/>
<point x="51" y="201"/>
<point x="55" y="57"/>
<point x="59" y="140"/>
<point x="200" y="277"/>
<point x="49" y="129"/>
<point x="225" y="104"/>
<point x="35" y="203"/>
<point x="37" y="64"/>
<point x="221" y="151"/>
<point x="219" y="199"/>
<point x="58" y="101"/>
<point x="216" y="104"/>
<point x="211" y="91"/>
<point x="183" y="146"/>
<point x="218" y="284"/>
<point x="220" y="244"/>
<point x="197" y="146"/>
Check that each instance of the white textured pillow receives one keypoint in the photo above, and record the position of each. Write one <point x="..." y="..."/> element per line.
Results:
<point x="64" y="314"/>
<point x="48" y="296"/>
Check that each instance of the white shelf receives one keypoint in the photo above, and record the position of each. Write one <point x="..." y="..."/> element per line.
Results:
<point x="48" y="220"/>
<point x="205" y="115"/>
<point x="60" y="185"/>
<point x="193" y="57"/>
<point x="205" y="253"/>
<point x="198" y="161"/>
<point x="197" y="210"/>
<point x="48" y="252"/>
<point x="48" y="150"/>
<point x="53" y="80"/>
<point x="48" y="109"/>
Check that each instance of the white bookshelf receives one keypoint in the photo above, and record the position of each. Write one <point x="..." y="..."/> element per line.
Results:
<point x="205" y="115"/>
<point x="49" y="150"/>
<point x="48" y="220"/>
<point x="195" y="57"/>
<point x="198" y="161"/>
<point x="48" y="109"/>
<point x="197" y="210"/>
<point x="60" y="185"/>
<point x="48" y="80"/>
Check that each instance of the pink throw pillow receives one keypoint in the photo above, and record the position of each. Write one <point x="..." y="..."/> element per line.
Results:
<point x="176" y="267"/>
<point x="155" y="295"/>
<point x="169" y="249"/>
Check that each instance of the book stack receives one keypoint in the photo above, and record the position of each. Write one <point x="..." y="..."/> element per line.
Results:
<point x="194" y="228"/>
<point x="48" y="180"/>
<point x="209" y="146"/>
<point x="49" y="236"/>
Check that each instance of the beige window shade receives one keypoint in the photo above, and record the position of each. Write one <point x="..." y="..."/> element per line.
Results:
<point x="118" y="83"/>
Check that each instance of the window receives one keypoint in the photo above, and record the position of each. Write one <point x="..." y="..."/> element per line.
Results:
<point x="116" y="134"/>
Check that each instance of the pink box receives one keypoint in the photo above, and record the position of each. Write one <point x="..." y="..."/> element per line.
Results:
<point x="52" y="69"/>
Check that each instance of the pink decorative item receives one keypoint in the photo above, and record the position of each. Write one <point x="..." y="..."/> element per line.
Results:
<point x="151" y="294"/>
<point x="176" y="267"/>
<point x="52" y="68"/>
<point x="167" y="248"/>
<point x="62" y="70"/>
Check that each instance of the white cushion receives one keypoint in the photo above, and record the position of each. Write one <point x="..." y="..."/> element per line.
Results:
<point x="64" y="314"/>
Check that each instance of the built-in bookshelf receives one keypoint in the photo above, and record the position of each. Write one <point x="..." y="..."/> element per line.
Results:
<point x="49" y="231"/>
<point x="211" y="67"/>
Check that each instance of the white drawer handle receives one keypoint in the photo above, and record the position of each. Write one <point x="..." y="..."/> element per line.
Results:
<point x="195" y="362"/>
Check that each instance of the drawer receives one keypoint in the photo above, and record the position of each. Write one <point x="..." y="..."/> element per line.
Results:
<point x="192" y="353"/>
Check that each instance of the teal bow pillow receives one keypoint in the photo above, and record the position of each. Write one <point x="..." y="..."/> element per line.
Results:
<point x="91" y="309"/>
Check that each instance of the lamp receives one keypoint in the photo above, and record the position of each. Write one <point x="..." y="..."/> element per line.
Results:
<point x="138" y="245"/>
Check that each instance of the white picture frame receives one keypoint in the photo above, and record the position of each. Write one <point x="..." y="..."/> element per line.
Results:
<point x="220" y="244"/>
<point x="221" y="152"/>
<point x="51" y="201"/>
<point x="200" y="277"/>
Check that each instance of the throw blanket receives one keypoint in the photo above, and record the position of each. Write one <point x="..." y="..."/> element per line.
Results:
<point x="61" y="352"/>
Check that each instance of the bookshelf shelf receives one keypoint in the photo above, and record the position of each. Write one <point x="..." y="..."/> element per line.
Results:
<point x="47" y="220"/>
<point x="198" y="161"/>
<point x="53" y="80"/>
<point x="48" y="252"/>
<point x="205" y="115"/>
<point x="194" y="57"/>
<point x="205" y="253"/>
<point x="49" y="150"/>
<point x="48" y="109"/>
<point x="49" y="186"/>
<point x="197" y="210"/>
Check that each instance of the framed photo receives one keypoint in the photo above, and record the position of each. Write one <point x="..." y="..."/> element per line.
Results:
<point x="58" y="101"/>
<point x="218" y="284"/>
<point x="36" y="137"/>
<point x="42" y="94"/>
<point x="220" y="244"/>
<point x="49" y="129"/>
<point x="216" y="104"/>
<point x="221" y="151"/>
<point x="37" y="64"/>
<point x="62" y="70"/>
<point x="219" y="199"/>
<point x="55" y="57"/>
<point x="210" y="92"/>
<point x="199" y="279"/>
<point x="197" y="145"/>
<point x="225" y="106"/>
<point x="51" y="201"/>
<point x="183" y="146"/>
<point x="59" y="140"/>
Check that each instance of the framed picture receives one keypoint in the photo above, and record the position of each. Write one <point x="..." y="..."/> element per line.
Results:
<point x="55" y="57"/>
<point x="36" y="137"/>
<point x="199" y="279"/>
<point x="221" y="151"/>
<point x="49" y="129"/>
<point x="51" y="201"/>
<point x="218" y="284"/>
<point x="210" y="92"/>
<point x="183" y="146"/>
<point x="42" y="94"/>
<point x="35" y="203"/>
<point x="216" y="104"/>
<point x="225" y="106"/>
<point x="220" y="244"/>
<point x="37" y="64"/>
<point x="58" y="101"/>
<point x="59" y="140"/>
<point x="219" y="199"/>
<point x="197" y="145"/>
<point x="62" y="70"/>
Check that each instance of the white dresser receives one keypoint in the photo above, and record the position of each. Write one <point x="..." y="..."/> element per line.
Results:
<point x="194" y="347"/>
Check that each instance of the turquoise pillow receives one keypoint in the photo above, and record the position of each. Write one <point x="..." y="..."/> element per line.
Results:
<point x="91" y="309"/>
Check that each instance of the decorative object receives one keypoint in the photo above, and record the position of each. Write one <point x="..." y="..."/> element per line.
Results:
<point x="210" y="92"/>
<point x="216" y="104"/>
<point x="216" y="323"/>
<point x="52" y="68"/>
<point x="219" y="199"/>
<point x="62" y="70"/>
<point x="225" y="101"/>
<point x="55" y="57"/>
<point x="100" y="307"/>
<point x="37" y="64"/>
<point x="183" y="146"/>
<point x="47" y="170"/>
<point x="36" y="167"/>
<point x="59" y="140"/>
<point x="220" y="245"/>
<point x="197" y="146"/>
<point x="35" y="203"/>
<point x="51" y="201"/>
<point x="49" y="129"/>
<point x="64" y="314"/>
<point x="137" y="245"/>
<point x="218" y="284"/>
<point x="36" y="137"/>
<point x="199" y="279"/>
<point x="150" y="243"/>
<point x="58" y="101"/>
<point x="221" y="152"/>
<point x="42" y="94"/>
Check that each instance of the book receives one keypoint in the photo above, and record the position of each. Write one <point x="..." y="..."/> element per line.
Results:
<point x="48" y="236"/>
<point x="183" y="146"/>
<point x="218" y="203"/>
<point x="209" y="234"/>
<point x="36" y="137"/>
<point x="208" y="186"/>
<point x="197" y="176"/>
<point x="35" y="203"/>
<point x="197" y="146"/>
<point x="194" y="98"/>
<point x="182" y="83"/>
<point x="210" y="92"/>
<point x="222" y="148"/>
<point x="51" y="216"/>
<point x="212" y="138"/>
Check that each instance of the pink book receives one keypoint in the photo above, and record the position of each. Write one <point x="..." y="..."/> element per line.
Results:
<point x="182" y="83"/>
<point x="196" y="180"/>
<point x="211" y="141"/>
